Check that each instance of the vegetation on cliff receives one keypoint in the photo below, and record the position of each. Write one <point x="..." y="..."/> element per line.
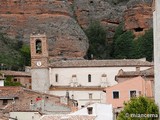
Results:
<point x="98" y="47"/>
<point x="14" y="54"/>
<point x="124" y="46"/>
<point x="8" y="82"/>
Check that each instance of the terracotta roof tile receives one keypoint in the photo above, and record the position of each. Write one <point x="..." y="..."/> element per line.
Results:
<point x="147" y="72"/>
<point x="100" y="63"/>
<point x="15" y="73"/>
<point x="9" y="92"/>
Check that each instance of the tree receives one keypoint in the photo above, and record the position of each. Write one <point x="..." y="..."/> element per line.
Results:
<point x="138" y="108"/>
<point x="25" y="51"/>
<point x="14" y="54"/>
<point x="147" y="45"/>
<point x="123" y="46"/>
<point x="97" y="41"/>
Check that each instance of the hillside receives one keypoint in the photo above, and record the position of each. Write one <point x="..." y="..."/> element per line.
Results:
<point x="65" y="21"/>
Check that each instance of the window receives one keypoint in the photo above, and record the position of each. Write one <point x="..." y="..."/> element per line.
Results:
<point x="5" y="102"/>
<point x="29" y="80"/>
<point x="38" y="46"/>
<point x="56" y="77"/>
<point x="82" y="106"/>
<point x="115" y="94"/>
<point x="132" y="93"/>
<point x="31" y="102"/>
<point x="90" y="110"/>
<point x="89" y="78"/>
<point x="15" y="80"/>
<point x="90" y="95"/>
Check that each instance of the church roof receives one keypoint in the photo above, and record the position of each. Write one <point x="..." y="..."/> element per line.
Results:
<point x="100" y="63"/>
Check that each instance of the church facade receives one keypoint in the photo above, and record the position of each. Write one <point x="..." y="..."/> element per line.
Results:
<point x="81" y="80"/>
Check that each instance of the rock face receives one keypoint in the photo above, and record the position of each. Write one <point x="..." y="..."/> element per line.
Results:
<point x="138" y="16"/>
<point x="20" y="18"/>
<point x="108" y="14"/>
<point x="63" y="21"/>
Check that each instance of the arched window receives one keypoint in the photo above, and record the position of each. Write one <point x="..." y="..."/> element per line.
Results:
<point x="89" y="78"/>
<point x="38" y="46"/>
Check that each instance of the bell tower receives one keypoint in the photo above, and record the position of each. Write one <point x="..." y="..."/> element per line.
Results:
<point x="39" y="62"/>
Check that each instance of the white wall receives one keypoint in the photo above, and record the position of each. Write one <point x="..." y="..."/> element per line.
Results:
<point x="1" y="82"/>
<point x="83" y="96"/>
<point x="65" y="75"/>
<point x="25" y="115"/>
<point x="102" y="111"/>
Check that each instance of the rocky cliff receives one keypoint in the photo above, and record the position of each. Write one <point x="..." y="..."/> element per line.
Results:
<point x="138" y="16"/>
<point x="64" y="21"/>
<point x="20" y="18"/>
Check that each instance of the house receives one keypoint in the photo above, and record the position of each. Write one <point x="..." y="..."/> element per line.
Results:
<point x="124" y="91"/>
<point x="83" y="80"/>
<point x="21" y="100"/>
<point x="25" y="115"/>
<point x="95" y="111"/>
<point x="68" y="117"/>
<point x="147" y="74"/>
<point x="101" y="111"/>
<point x="24" y="78"/>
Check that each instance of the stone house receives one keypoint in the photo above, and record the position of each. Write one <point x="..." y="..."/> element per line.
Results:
<point x="83" y="80"/>
<point x="18" y="99"/>
<point x="18" y="76"/>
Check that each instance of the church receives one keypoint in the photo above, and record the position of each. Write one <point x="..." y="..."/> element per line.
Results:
<point x="81" y="80"/>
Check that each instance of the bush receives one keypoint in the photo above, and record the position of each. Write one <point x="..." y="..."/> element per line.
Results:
<point x="139" y="106"/>
<point x="123" y="46"/>
<point x="97" y="41"/>
<point x="9" y="82"/>
<point x="13" y="53"/>
<point x="145" y="45"/>
<point x="126" y="46"/>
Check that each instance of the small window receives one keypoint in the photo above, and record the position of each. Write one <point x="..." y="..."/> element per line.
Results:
<point x="90" y="95"/>
<point x="31" y="102"/>
<point x="15" y="80"/>
<point x="29" y="80"/>
<point x="38" y="46"/>
<point x="89" y="78"/>
<point x="132" y="93"/>
<point x="90" y="110"/>
<point x="82" y="106"/>
<point x="5" y="102"/>
<point x="56" y="77"/>
<point x="115" y="94"/>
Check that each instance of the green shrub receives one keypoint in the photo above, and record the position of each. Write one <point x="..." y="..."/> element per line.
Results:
<point x="97" y="41"/>
<point x="138" y="107"/>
